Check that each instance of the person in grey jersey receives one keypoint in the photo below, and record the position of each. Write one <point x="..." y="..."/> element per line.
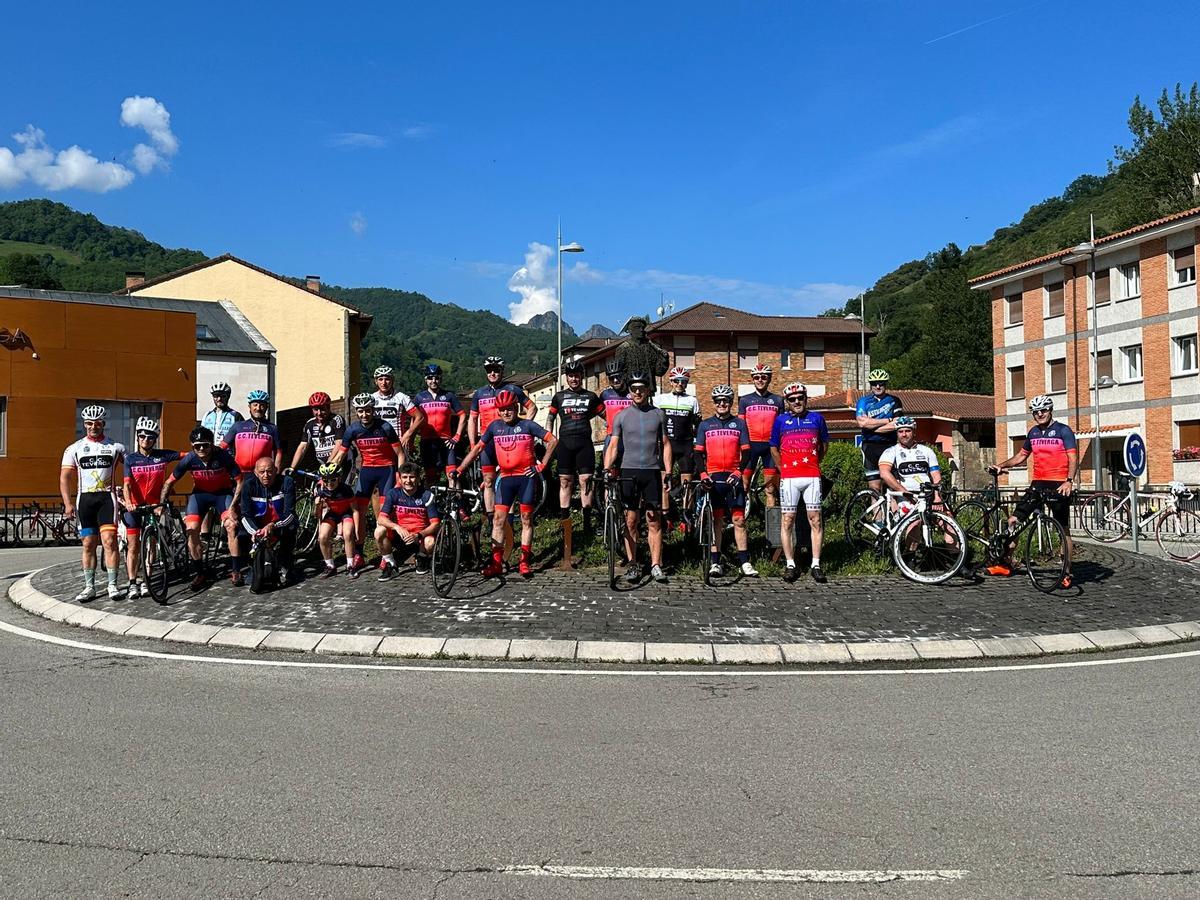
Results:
<point x="640" y="430"/>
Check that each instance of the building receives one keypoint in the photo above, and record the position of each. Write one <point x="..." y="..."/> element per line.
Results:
<point x="1143" y="353"/>
<point x="316" y="337"/>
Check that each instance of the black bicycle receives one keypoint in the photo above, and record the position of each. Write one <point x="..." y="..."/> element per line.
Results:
<point x="164" y="548"/>
<point x="1044" y="549"/>
<point x="307" y="524"/>
<point x="455" y="537"/>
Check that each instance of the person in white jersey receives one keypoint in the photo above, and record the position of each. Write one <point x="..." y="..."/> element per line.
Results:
<point x="95" y="460"/>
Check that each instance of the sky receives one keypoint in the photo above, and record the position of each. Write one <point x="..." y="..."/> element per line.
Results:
<point x="774" y="156"/>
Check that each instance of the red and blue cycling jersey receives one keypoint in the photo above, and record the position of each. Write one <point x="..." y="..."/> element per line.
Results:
<point x="213" y="477"/>
<point x="513" y="446"/>
<point x="442" y="411"/>
<point x="723" y="442"/>
<point x="483" y="404"/>
<point x="1052" y="448"/>
<point x="375" y="443"/>
<point x="251" y="441"/>
<point x="339" y="501"/>
<point x="613" y="402"/>
<point x="145" y="474"/>
<point x="411" y="513"/>
<point x="759" y="412"/>
<point x="800" y="440"/>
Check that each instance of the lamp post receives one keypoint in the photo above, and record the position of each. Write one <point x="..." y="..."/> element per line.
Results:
<point x="562" y="248"/>
<point x="862" y="335"/>
<point x="860" y="362"/>
<point x="1078" y="252"/>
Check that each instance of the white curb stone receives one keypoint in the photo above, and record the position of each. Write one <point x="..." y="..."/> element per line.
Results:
<point x="880" y="651"/>
<point x="241" y="638"/>
<point x="958" y="649"/>
<point x="115" y="623"/>
<point x="410" y="646"/>
<point x="349" y="644"/>
<point x="811" y="654"/>
<point x="1186" y="630"/>
<point x="752" y="654"/>
<point x="151" y="628"/>
<point x="669" y="652"/>
<point x="59" y="612"/>
<point x="34" y="602"/>
<point x="1062" y="643"/>
<point x="292" y="641"/>
<point x="1111" y="639"/>
<point x="477" y="648"/>
<point x="548" y="649"/>
<point x="1154" y="634"/>
<point x="85" y="618"/>
<point x="1011" y="646"/>
<point x="611" y="651"/>
<point x="191" y="633"/>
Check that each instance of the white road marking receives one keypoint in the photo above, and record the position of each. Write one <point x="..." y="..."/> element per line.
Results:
<point x="779" y="876"/>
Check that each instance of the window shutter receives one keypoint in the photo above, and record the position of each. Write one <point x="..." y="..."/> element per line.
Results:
<point x="1103" y="288"/>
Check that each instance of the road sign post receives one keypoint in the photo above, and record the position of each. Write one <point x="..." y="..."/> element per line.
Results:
<point x="1134" y="453"/>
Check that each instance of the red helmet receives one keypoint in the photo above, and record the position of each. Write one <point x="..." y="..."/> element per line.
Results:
<point x="505" y="399"/>
<point x="320" y="398"/>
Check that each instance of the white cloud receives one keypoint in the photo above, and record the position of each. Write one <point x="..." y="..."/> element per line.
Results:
<point x="358" y="224"/>
<point x="534" y="283"/>
<point x="583" y="273"/>
<point x="357" y="139"/>
<point x="419" y="132"/>
<point x="152" y="117"/>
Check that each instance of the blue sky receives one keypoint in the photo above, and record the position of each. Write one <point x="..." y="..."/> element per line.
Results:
<point x="775" y="156"/>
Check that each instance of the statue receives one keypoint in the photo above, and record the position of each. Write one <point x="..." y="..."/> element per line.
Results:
<point x="639" y="353"/>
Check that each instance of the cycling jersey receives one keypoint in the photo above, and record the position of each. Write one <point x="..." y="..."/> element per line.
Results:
<point x="251" y="441"/>
<point x="512" y="445"/>
<point x="411" y="513"/>
<point x="213" y="477"/>
<point x="759" y="412"/>
<point x="799" y="439"/>
<point x="575" y="411"/>
<point x="683" y="415"/>
<point x="614" y="402"/>
<point x="145" y="474"/>
<point x="441" y="414"/>
<point x="722" y="441"/>
<point x="641" y="431"/>
<point x="483" y="404"/>
<point x="912" y="466"/>
<point x="94" y="462"/>
<point x="339" y="501"/>
<point x="393" y="409"/>
<point x="886" y="407"/>
<point x="374" y="442"/>
<point x="1052" y="448"/>
<point x="323" y="438"/>
<point x="219" y="421"/>
<point x="265" y="504"/>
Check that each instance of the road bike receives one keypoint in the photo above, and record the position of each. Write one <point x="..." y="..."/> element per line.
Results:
<point x="1044" y="550"/>
<point x="981" y="516"/>
<point x="1107" y="517"/>
<point x="37" y="527"/>
<point x="456" y="536"/>
<point x="306" y="509"/>
<point x="164" y="548"/>
<point x="927" y="544"/>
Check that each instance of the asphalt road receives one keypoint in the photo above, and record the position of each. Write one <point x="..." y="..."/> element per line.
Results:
<point x="122" y="776"/>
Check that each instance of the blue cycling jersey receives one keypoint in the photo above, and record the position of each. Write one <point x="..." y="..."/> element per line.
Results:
<point x="886" y="407"/>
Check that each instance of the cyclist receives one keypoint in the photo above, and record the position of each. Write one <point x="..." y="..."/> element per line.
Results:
<point x="221" y="418"/>
<point x="269" y="507"/>
<point x="876" y="414"/>
<point x="442" y="430"/>
<point x="615" y="397"/>
<point x="215" y="478"/>
<point x="396" y="407"/>
<point x="683" y="415"/>
<point x="758" y="410"/>
<point x="572" y="410"/>
<point x="336" y="499"/>
<point x="1055" y="455"/>
<point x="639" y="438"/>
<point x="906" y="465"/>
<point x="511" y="441"/>
<point x="484" y="412"/>
<point x="95" y="459"/>
<point x="253" y="438"/>
<point x="145" y="472"/>
<point x="408" y="518"/>
<point x="799" y="439"/>
<point x="322" y="432"/>
<point x="722" y="453"/>
<point x="379" y="451"/>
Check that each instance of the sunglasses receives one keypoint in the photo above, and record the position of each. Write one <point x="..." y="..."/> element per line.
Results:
<point x="878" y="384"/>
<point x="202" y="446"/>
<point x="722" y="400"/>
<point x="148" y="435"/>
<point x="797" y="398"/>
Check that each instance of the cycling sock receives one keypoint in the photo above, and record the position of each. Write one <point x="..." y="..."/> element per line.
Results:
<point x="235" y="564"/>
<point x="498" y="553"/>
<point x="329" y="564"/>
<point x="198" y="566"/>
<point x="791" y="563"/>
<point x="112" y="577"/>
<point x="743" y="556"/>
<point x="715" y="556"/>
<point x="816" y="563"/>
<point x="89" y="578"/>
<point x="526" y="551"/>
<point x="389" y="559"/>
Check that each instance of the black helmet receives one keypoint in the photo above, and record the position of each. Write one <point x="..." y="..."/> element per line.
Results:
<point x="432" y="369"/>
<point x="613" y="367"/>
<point x="573" y="367"/>
<point x="200" y="435"/>
<point x="640" y="378"/>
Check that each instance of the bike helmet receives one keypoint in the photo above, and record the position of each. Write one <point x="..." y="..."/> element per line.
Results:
<point x="200" y="435"/>
<point x="432" y="369"/>
<point x="318" y="399"/>
<point x="258" y="396"/>
<point x="494" y="362"/>
<point x="145" y="423"/>
<point x="614" y="368"/>
<point x="505" y="399"/>
<point x="329" y="470"/>
<point x="878" y="375"/>
<point x="94" y="413"/>
<point x="640" y="378"/>
<point x="795" y="389"/>
<point x="382" y="371"/>
<point x="905" y="422"/>
<point x="362" y="401"/>
<point x="573" y="367"/>
<point x="722" y="392"/>
<point x="221" y="387"/>
<point x="679" y="373"/>
<point x="760" y="369"/>
<point x="1041" y="401"/>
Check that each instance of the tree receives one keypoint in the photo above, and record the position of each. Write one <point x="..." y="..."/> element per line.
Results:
<point x="28" y="271"/>
<point x="1157" y="171"/>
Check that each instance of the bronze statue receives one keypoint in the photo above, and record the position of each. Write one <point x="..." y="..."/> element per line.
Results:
<point x="639" y="353"/>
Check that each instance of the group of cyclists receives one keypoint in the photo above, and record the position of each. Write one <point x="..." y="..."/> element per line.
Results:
<point x="396" y="448"/>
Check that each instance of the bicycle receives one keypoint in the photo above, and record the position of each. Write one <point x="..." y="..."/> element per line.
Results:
<point x="868" y="520"/>
<point x="705" y="528"/>
<point x="1106" y="517"/>
<point x="1045" y="551"/>
<point x="306" y="510"/>
<point x="164" y="549"/>
<point x="982" y="516"/>
<point x="614" y="527"/>
<point x="448" y="546"/>
<point x="928" y="546"/>
<point x="36" y="527"/>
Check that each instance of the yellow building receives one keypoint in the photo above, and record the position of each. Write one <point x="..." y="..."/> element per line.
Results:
<point x="316" y="337"/>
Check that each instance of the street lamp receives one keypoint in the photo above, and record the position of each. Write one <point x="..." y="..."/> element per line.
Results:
<point x="862" y="333"/>
<point x="562" y="248"/>
<point x="1078" y="253"/>
<point x="858" y="363"/>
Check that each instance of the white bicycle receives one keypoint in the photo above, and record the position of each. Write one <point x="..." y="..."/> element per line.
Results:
<point x="1107" y="517"/>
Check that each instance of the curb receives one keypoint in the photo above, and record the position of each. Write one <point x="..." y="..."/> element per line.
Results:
<point x="22" y="593"/>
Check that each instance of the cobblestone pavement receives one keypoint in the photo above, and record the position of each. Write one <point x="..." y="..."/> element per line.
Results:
<point x="1114" y="589"/>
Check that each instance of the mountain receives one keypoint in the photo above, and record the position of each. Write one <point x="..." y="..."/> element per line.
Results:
<point x="598" y="331"/>
<point x="548" y="321"/>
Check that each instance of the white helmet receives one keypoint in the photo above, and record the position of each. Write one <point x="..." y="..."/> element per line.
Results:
<point x="760" y="369"/>
<point x="1041" y="401"/>
<point x="221" y="387"/>
<point x="679" y="373"/>
<point x="795" y="389"/>
<point x="362" y="401"/>
<point x="145" y="423"/>
<point x="722" y="392"/>
<point x="381" y="371"/>
<point x="94" y="413"/>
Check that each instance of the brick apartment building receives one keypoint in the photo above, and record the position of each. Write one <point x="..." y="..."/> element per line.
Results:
<point x="1145" y="351"/>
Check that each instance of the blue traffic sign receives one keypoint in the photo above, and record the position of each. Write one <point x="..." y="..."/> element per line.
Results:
<point x="1135" y="455"/>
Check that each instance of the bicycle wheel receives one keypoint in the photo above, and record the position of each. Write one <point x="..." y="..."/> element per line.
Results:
<point x="929" y="549"/>
<point x="8" y="531"/>
<point x="1178" y="534"/>
<point x="447" y="554"/>
<point x="862" y="528"/>
<point x="156" y="563"/>
<point x="1104" y="516"/>
<point x="66" y="531"/>
<point x="306" y="519"/>
<point x="706" y="532"/>
<point x="31" y="532"/>
<point x="612" y="540"/>
<point x="1045" y="552"/>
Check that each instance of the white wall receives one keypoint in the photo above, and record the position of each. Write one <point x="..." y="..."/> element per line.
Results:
<point x="243" y="375"/>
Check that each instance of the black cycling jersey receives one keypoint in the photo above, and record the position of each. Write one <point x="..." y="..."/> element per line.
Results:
<point x="575" y="409"/>
<point x="323" y="438"/>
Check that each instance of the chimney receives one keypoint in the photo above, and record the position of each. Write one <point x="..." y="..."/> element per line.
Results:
<point x="133" y="279"/>
<point x="313" y="283"/>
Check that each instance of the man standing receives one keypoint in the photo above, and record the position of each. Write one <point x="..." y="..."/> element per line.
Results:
<point x="95" y="460"/>
<point x="876" y="414"/>
<point x="758" y="410"/>
<point x="252" y="439"/>
<point x="145" y="473"/>
<point x="683" y="415"/>
<point x="575" y="455"/>
<point x="221" y="418"/>
<point x="484" y="412"/>
<point x="322" y="432"/>
<point x="722" y="451"/>
<point x="799" y="439"/>
<point x="442" y="431"/>
<point x="396" y="407"/>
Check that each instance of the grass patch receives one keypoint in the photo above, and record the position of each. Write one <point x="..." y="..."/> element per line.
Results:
<point x="8" y="248"/>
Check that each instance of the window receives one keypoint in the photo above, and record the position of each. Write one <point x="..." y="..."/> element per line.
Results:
<point x="685" y="351"/>
<point x="1189" y="433"/>
<point x="122" y="417"/>
<point x="1016" y="382"/>
<point x="1129" y="281"/>
<point x="1016" y="309"/>
<point x="1054" y="299"/>
<point x="1056" y="376"/>
<point x="1131" y="363"/>
<point x="1184" y="264"/>
<point x="1184" y="361"/>
<point x="1103" y="288"/>
<point x="785" y="358"/>
<point x="1018" y="444"/>
<point x="747" y="352"/>
<point x="3" y="426"/>
<point x="814" y="354"/>
<point x="205" y="335"/>
<point x="1104" y="367"/>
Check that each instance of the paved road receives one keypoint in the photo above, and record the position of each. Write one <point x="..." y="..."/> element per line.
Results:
<point x="124" y="776"/>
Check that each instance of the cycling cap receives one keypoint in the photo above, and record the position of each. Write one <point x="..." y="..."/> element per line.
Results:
<point x="794" y="389"/>
<point x="221" y="387"/>
<point x="145" y="423"/>
<point x="329" y="470"/>
<point x="722" y="392"/>
<point x="362" y="401"/>
<point x="760" y="369"/>
<point x="382" y="371"/>
<point x="505" y="399"/>
<point x="320" y="398"/>
<point x="639" y="378"/>
<point x="1041" y="401"/>
<point x="905" y="422"/>
<point x="432" y="369"/>
<point x="573" y="367"/>
<point x="679" y="373"/>
<point x="94" y="413"/>
<point x="613" y="367"/>
<point x="878" y="375"/>
<point x="494" y="362"/>
<point x="258" y="397"/>
<point x="200" y="435"/>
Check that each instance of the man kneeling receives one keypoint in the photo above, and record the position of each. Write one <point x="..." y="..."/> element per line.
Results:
<point x="409" y="521"/>
<point x="268" y="505"/>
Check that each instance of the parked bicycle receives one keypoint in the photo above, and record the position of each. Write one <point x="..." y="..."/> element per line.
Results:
<point x="1107" y="517"/>
<point x="37" y="527"/>
<point x="927" y="544"/>
<point x="1044" y="548"/>
<point x="164" y="549"/>
<point x="456" y="538"/>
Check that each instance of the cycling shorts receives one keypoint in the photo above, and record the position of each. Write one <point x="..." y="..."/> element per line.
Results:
<point x="516" y="489"/>
<point x="871" y="451"/>
<point x="97" y="512"/>
<point x="1059" y="506"/>
<point x="135" y="521"/>
<point x="374" y="478"/>
<point x="334" y="518"/>
<point x="761" y="450"/>
<point x="794" y="491"/>
<point x="199" y="503"/>
<point x="436" y="455"/>
<point x="683" y="454"/>
<point x="726" y="495"/>
<point x="575" y="458"/>
<point x="640" y="486"/>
